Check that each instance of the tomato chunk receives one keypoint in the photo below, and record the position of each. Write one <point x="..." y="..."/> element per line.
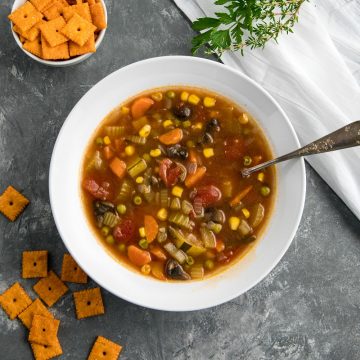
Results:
<point x="208" y="195"/>
<point x="234" y="148"/>
<point x="169" y="172"/>
<point x="97" y="191"/>
<point x="125" y="231"/>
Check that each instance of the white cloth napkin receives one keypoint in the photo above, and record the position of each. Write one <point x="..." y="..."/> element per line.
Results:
<point x="315" y="76"/>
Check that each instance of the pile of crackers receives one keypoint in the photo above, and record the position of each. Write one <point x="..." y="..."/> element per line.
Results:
<point x="59" y="29"/>
<point x="36" y="317"/>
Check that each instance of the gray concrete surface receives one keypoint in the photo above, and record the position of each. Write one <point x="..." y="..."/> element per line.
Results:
<point x="307" y="308"/>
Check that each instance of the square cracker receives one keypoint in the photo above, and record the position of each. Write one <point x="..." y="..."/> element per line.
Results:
<point x="78" y="30"/>
<point x="44" y="330"/>
<point x="88" y="303"/>
<point x="104" y="349"/>
<point x="36" y="308"/>
<point x="81" y="9"/>
<point x="46" y="352"/>
<point x="50" y="30"/>
<point x="12" y="203"/>
<point x="25" y="17"/>
<point x="56" y="9"/>
<point x="71" y="271"/>
<point x="34" y="264"/>
<point x="50" y="289"/>
<point x="41" y="4"/>
<point x="14" y="300"/>
<point x="60" y="52"/>
<point x="30" y="34"/>
<point x="88" y="47"/>
<point x="34" y="47"/>
<point x="98" y="16"/>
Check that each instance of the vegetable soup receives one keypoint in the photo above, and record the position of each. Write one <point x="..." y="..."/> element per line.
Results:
<point x="162" y="187"/>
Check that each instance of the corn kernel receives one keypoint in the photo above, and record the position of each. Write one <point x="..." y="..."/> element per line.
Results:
<point x="129" y="150"/>
<point x="139" y="180"/>
<point x="157" y="96"/>
<point x="142" y="232"/>
<point x="177" y="191"/>
<point x="209" y="101"/>
<point x="184" y="96"/>
<point x="145" y="269"/>
<point x="145" y="131"/>
<point x="198" y="126"/>
<point x="193" y="99"/>
<point x="162" y="214"/>
<point x="155" y="152"/>
<point x="246" y="212"/>
<point x="261" y="177"/>
<point x="243" y="119"/>
<point x="170" y="94"/>
<point x="208" y="152"/>
<point x="186" y="124"/>
<point x="124" y="110"/>
<point x="167" y="123"/>
<point x="234" y="223"/>
<point x="107" y="140"/>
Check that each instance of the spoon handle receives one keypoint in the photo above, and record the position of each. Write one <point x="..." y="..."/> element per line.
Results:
<point x="347" y="136"/>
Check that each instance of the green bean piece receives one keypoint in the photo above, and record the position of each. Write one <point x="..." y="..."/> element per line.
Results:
<point x="137" y="200"/>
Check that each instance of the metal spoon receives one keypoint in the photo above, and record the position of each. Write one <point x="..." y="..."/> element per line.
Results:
<point x="347" y="136"/>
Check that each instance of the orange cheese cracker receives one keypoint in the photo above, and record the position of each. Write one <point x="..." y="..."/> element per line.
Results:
<point x="36" y="308"/>
<point x="34" y="47"/>
<point x="50" y="30"/>
<point x="14" y="300"/>
<point x="56" y="9"/>
<point x="44" y="330"/>
<point x="88" y="303"/>
<point x="34" y="264"/>
<point x="60" y="52"/>
<point x="12" y="203"/>
<point x="71" y="271"/>
<point x="88" y="47"/>
<point x="98" y="16"/>
<point x="104" y="349"/>
<point x="46" y="352"/>
<point x="82" y="10"/>
<point x="30" y="34"/>
<point x="50" y="289"/>
<point x="26" y="16"/>
<point x="78" y="30"/>
<point x="41" y="4"/>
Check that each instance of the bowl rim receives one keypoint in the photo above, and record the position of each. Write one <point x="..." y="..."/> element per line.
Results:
<point x="58" y="63"/>
<point x="276" y="260"/>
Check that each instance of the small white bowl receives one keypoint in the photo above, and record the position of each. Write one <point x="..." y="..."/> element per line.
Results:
<point x="65" y="179"/>
<point x="58" y="63"/>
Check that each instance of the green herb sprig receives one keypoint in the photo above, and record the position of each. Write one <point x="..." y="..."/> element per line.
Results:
<point x="245" y="23"/>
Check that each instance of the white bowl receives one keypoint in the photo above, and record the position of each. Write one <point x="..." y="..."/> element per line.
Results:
<point x="65" y="181"/>
<point x="58" y="63"/>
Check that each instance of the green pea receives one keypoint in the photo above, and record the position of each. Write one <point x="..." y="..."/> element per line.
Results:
<point x="110" y="239"/>
<point x="121" y="209"/>
<point x="143" y="244"/>
<point x="209" y="264"/>
<point x="247" y="160"/>
<point x="105" y="230"/>
<point x="265" y="191"/>
<point x="137" y="200"/>
<point x="122" y="247"/>
<point x="190" y="260"/>
<point x="170" y="94"/>
<point x="99" y="141"/>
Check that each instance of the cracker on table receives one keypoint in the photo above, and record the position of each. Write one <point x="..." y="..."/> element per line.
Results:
<point x="88" y="303"/>
<point x="36" y="308"/>
<point x="25" y="17"/>
<point x="78" y="29"/>
<point x="14" y="300"/>
<point x="34" y="47"/>
<point x="50" y="30"/>
<point x="81" y="9"/>
<point x="34" y="264"/>
<point x="98" y="16"/>
<point x="46" y="352"/>
<point x="56" y="9"/>
<point x="104" y="349"/>
<point x="71" y="271"/>
<point x="41" y="4"/>
<point x="50" y="289"/>
<point x="88" y="47"/>
<point x="60" y="52"/>
<point x="43" y="330"/>
<point x="12" y="203"/>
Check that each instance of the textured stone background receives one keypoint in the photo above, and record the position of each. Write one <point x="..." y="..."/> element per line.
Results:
<point x="307" y="308"/>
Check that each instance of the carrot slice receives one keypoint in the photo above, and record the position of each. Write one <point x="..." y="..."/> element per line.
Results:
<point x="158" y="253"/>
<point x="192" y="179"/>
<point x="236" y="200"/>
<point x="141" y="106"/>
<point x="172" y="137"/>
<point x="157" y="270"/>
<point x="137" y="256"/>
<point x="151" y="228"/>
<point x="108" y="153"/>
<point x="118" y="167"/>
